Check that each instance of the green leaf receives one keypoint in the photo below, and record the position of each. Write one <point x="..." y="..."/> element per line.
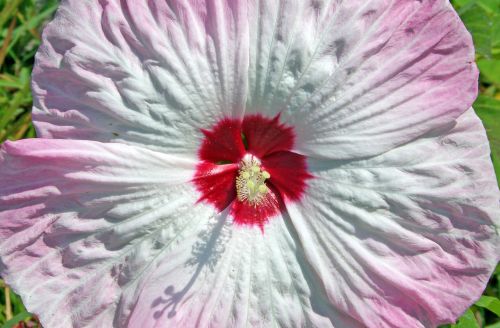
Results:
<point x="466" y="321"/>
<point x="490" y="303"/>
<point x="495" y="325"/>
<point x="488" y="105"/>
<point x="10" y="84"/>
<point x="480" y="24"/>
<point x="496" y="166"/>
<point x="490" y="70"/>
<point x="18" y="318"/>
<point x="488" y="109"/>
<point x="491" y="6"/>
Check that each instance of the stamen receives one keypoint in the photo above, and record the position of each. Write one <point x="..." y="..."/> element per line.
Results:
<point x="250" y="183"/>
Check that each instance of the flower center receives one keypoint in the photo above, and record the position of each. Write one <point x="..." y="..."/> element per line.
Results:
<point x="248" y="166"/>
<point x="251" y="181"/>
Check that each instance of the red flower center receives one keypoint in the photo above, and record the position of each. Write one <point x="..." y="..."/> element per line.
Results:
<point x="249" y="166"/>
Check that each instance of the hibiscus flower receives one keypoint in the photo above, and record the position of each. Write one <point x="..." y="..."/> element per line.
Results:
<point x="251" y="163"/>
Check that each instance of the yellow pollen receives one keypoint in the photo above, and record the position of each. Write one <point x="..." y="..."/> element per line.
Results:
<point x="250" y="183"/>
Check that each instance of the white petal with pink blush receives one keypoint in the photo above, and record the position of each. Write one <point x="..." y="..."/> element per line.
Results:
<point x="217" y="163"/>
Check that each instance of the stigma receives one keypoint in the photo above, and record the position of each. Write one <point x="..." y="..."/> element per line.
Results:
<point x="251" y="181"/>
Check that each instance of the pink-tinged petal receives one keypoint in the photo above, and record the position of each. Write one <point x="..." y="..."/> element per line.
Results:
<point x="357" y="78"/>
<point x="82" y="221"/>
<point x="148" y="73"/>
<point x="408" y="238"/>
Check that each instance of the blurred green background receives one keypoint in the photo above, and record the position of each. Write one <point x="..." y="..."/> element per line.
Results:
<point x="21" y="22"/>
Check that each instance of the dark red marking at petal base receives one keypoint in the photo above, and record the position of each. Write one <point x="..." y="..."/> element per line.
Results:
<point x="266" y="136"/>
<point x="288" y="173"/>
<point x="216" y="183"/>
<point x="267" y="139"/>
<point x="223" y="142"/>
<point x="246" y="214"/>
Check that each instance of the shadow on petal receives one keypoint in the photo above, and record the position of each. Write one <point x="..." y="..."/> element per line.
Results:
<point x="206" y="253"/>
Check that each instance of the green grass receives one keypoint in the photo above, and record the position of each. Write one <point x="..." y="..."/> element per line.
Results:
<point x="21" y="22"/>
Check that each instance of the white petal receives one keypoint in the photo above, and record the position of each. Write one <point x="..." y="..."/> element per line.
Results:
<point x="236" y="278"/>
<point x="359" y="77"/>
<point x="149" y="73"/>
<point x="407" y="238"/>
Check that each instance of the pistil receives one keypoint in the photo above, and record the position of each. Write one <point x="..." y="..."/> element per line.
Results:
<point x="250" y="183"/>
